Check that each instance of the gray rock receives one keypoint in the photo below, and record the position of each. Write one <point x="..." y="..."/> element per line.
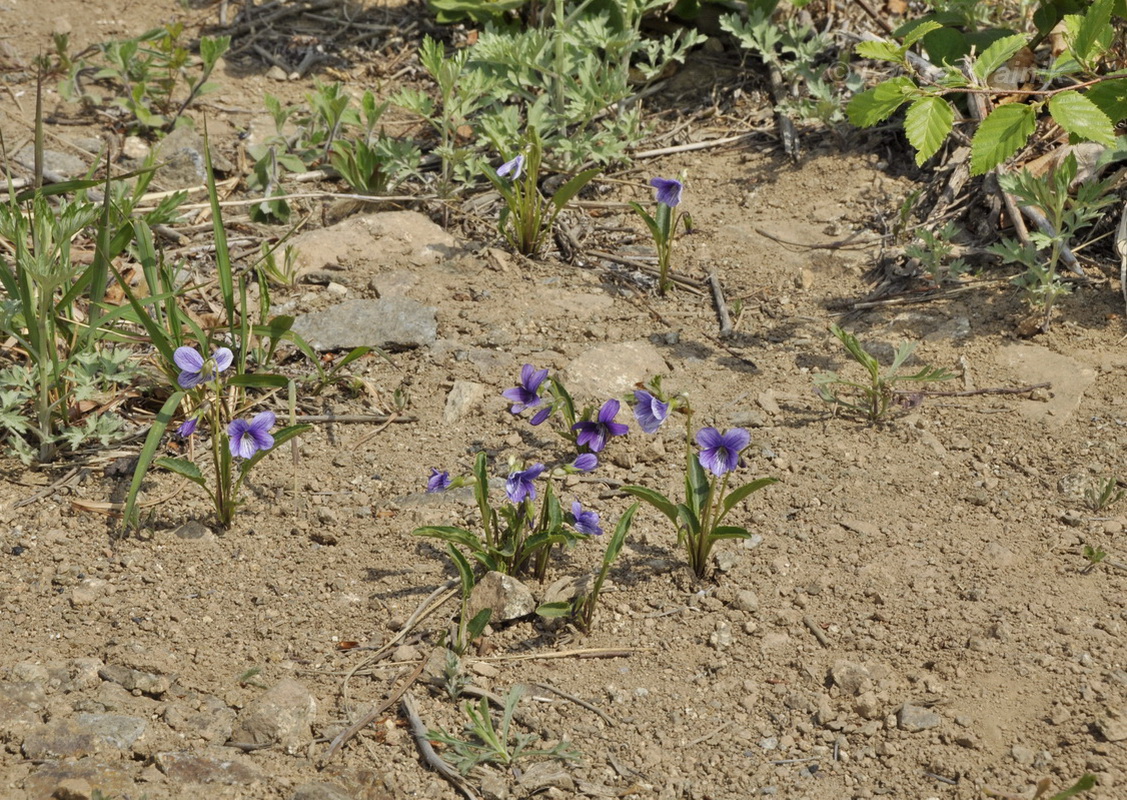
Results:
<point x="214" y="765"/>
<point x="63" y="164"/>
<point x="148" y="683"/>
<point x="181" y="159"/>
<point x="463" y="398"/>
<point x="85" y="735"/>
<point x="210" y="720"/>
<point x="283" y="715"/>
<point x="1023" y="755"/>
<point x="850" y="677"/>
<point x="89" y="591"/>
<point x="916" y="718"/>
<point x="143" y="658"/>
<point x="21" y="708"/>
<point x="493" y="787"/>
<point x="372" y="242"/>
<point x="320" y="791"/>
<point x="746" y="600"/>
<point x="56" y="779"/>
<point x="193" y="530"/>
<point x="1113" y="725"/>
<point x="508" y="597"/>
<point x="611" y="370"/>
<point x="392" y="323"/>
<point x="546" y="775"/>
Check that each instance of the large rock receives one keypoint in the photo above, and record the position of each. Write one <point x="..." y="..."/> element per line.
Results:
<point x="283" y="715"/>
<point x="84" y="735"/>
<point x="611" y="370"/>
<point x="370" y="243"/>
<point x="391" y="323"/>
<point x="217" y="765"/>
<point x="508" y="597"/>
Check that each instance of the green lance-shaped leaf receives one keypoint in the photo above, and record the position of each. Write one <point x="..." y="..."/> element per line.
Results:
<point x="927" y="123"/>
<point x="573" y="187"/>
<point x="655" y="499"/>
<point x="738" y="495"/>
<point x="148" y="450"/>
<point x="1000" y="136"/>
<point x="184" y="467"/>
<point x="879" y="103"/>
<point x="450" y="535"/>
<point x="1081" y="117"/>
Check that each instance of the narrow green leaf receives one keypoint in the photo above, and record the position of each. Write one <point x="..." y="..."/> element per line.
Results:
<point x="655" y="499"/>
<point x="184" y="467"/>
<point x="263" y="380"/>
<point x="1001" y="135"/>
<point x="651" y="223"/>
<point x="450" y="535"/>
<point x="738" y="495"/>
<point x="618" y="538"/>
<point x="145" y="459"/>
<point x="729" y="532"/>
<point x="998" y="54"/>
<point x="1084" y="784"/>
<point x="478" y="623"/>
<point x="573" y="187"/>
<point x="927" y="123"/>
<point x="879" y="103"/>
<point x="1081" y="117"/>
<point x="465" y="571"/>
<point x="552" y="610"/>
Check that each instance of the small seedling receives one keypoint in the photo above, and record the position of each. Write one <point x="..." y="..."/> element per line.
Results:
<point x="489" y="744"/>
<point x="933" y="254"/>
<point x="663" y="225"/>
<point x="1043" y="787"/>
<point x="872" y="400"/>
<point x="1095" y="555"/>
<point x="1103" y="495"/>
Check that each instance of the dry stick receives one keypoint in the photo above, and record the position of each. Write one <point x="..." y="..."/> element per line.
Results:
<point x="433" y="760"/>
<point x="370" y="717"/>
<point x="721" y="306"/>
<point x="284" y="11"/>
<point x="687" y="148"/>
<point x="688" y="283"/>
<point x="838" y="244"/>
<point x="578" y="701"/>
<point x="46" y="490"/>
<point x="787" y="132"/>
<point x="817" y="631"/>
<point x="973" y="392"/>
<point x="356" y="418"/>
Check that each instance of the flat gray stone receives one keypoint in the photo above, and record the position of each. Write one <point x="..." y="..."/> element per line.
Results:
<point x="1032" y="364"/>
<point x="463" y="398"/>
<point x="916" y="718"/>
<point x="375" y="243"/>
<point x="390" y="323"/>
<point x="67" y="779"/>
<point x="218" y="765"/>
<point x="21" y="708"/>
<point x="283" y="715"/>
<point x="611" y="370"/>
<point x="150" y="683"/>
<point x="84" y="735"/>
<point x="508" y="597"/>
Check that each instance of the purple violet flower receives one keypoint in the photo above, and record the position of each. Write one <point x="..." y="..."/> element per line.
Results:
<point x="649" y="411"/>
<point x="595" y="434"/>
<point x="194" y="370"/>
<point x="585" y="462"/>
<point x="188" y="427"/>
<point x="438" y="481"/>
<point x="541" y="416"/>
<point x="586" y="522"/>
<point x="519" y="485"/>
<point x="525" y="395"/>
<point x="668" y="190"/>
<point x="720" y="452"/>
<point x="516" y="167"/>
<point x="248" y="438"/>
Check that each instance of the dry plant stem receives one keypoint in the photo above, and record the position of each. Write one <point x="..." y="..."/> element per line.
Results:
<point x="355" y="418"/>
<point x="46" y="490"/>
<point x="849" y="241"/>
<point x="368" y="718"/>
<point x="721" y="305"/>
<point x="578" y="701"/>
<point x="787" y="132"/>
<point x="816" y="630"/>
<point x="692" y="285"/>
<point x="973" y="392"/>
<point x="433" y="760"/>
<point x="688" y="148"/>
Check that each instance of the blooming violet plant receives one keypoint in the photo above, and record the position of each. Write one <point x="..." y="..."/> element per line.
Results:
<point x="515" y="536"/>
<point x="663" y="224"/>
<point x="237" y="444"/>
<point x="527" y="218"/>
<point x="699" y="520"/>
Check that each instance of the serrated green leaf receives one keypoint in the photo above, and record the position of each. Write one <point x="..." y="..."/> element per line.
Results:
<point x="879" y="103"/>
<point x="926" y="124"/>
<point x="1093" y="33"/>
<point x="879" y="51"/>
<point x="1080" y="116"/>
<point x="1000" y="135"/>
<point x="920" y="31"/>
<point x="946" y="46"/>
<point x="1111" y="98"/>
<point x="998" y="54"/>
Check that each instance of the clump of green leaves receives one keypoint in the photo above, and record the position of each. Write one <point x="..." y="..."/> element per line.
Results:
<point x="488" y="743"/>
<point x="1044" y="786"/>
<point x="1103" y="495"/>
<point x="153" y="77"/>
<point x="1083" y="101"/>
<point x="932" y="252"/>
<point x="1065" y="214"/>
<point x="873" y="399"/>
<point x="800" y="54"/>
<point x="1094" y="554"/>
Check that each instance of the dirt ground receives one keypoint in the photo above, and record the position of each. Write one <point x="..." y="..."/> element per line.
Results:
<point x="912" y="619"/>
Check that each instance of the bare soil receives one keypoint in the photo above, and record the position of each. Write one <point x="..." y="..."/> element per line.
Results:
<point x="912" y="620"/>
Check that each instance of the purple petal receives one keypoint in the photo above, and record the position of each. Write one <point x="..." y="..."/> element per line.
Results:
<point x="585" y="462"/>
<point x="541" y="415"/>
<point x="188" y="427"/>
<point x="586" y="522"/>
<point x="259" y="430"/>
<point x="736" y="439"/>
<point x="515" y="166"/>
<point x="223" y="358"/>
<point x="189" y="379"/>
<point x="668" y="190"/>
<point x="709" y="438"/>
<point x="649" y="411"/>
<point x="531" y="378"/>
<point x="438" y="481"/>
<point x="241" y="445"/>
<point x="188" y="359"/>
